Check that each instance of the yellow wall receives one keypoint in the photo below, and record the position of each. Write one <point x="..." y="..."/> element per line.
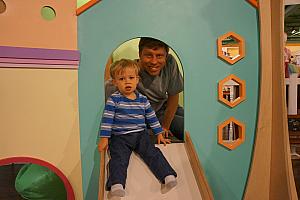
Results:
<point x="39" y="118"/>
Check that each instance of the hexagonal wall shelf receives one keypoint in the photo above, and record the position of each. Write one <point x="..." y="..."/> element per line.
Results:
<point x="231" y="133"/>
<point x="231" y="47"/>
<point x="231" y="90"/>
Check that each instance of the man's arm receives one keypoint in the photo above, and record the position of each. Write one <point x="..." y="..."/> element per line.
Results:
<point x="170" y="111"/>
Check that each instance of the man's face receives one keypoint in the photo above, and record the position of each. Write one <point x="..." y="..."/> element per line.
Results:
<point x="153" y="60"/>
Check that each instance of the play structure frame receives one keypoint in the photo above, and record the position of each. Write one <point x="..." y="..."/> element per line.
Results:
<point x="271" y="175"/>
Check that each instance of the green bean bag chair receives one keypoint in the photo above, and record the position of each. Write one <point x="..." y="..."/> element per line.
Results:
<point x="38" y="182"/>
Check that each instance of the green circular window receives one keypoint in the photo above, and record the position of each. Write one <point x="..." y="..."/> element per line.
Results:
<point x="48" y="13"/>
<point x="2" y="6"/>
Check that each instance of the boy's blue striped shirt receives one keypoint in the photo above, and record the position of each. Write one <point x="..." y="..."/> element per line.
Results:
<point x="122" y="115"/>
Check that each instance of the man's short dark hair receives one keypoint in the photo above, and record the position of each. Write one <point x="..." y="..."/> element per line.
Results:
<point x="152" y="43"/>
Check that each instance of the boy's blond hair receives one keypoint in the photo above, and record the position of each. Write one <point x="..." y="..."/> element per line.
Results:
<point x="119" y="66"/>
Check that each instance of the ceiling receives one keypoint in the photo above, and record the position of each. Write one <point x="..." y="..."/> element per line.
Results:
<point x="292" y="22"/>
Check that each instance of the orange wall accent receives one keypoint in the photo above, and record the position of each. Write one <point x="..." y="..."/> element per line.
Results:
<point x="22" y="25"/>
<point x="86" y="6"/>
<point x="254" y="3"/>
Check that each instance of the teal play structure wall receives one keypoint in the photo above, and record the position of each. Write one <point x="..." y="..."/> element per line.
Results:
<point x="191" y="28"/>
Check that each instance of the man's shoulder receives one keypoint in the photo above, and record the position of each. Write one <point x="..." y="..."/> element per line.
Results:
<point x="170" y="60"/>
<point x="171" y="64"/>
<point x="108" y="82"/>
<point x="110" y="88"/>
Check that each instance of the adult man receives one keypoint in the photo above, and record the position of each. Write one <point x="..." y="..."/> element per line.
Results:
<point x="161" y="81"/>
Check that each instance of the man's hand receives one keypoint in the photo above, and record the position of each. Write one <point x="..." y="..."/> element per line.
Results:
<point x="167" y="133"/>
<point x="102" y="145"/>
<point x="172" y="105"/>
<point x="160" y="138"/>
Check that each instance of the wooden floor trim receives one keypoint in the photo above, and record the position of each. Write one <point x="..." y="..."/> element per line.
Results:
<point x="102" y="176"/>
<point x="202" y="183"/>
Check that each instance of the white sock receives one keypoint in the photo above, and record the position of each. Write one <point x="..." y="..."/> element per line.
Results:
<point x="117" y="190"/>
<point x="170" y="181"/>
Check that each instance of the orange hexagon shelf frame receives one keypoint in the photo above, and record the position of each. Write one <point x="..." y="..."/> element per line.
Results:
<point x="240" y="45"/>
<point x="235" y="134"/>
<point x="241" y="91"/>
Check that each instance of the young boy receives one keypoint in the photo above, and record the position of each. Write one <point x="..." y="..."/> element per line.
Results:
<point x="124" y="122"/>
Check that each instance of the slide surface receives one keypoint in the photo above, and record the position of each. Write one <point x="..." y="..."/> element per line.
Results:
<point x="142" y="184"/>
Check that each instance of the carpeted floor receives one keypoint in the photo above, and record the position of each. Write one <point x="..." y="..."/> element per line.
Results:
<point x="8" y="174"/>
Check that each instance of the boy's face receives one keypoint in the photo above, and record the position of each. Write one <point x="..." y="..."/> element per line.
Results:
<point x="153" y="60"/>
<point x="126" y="81"/>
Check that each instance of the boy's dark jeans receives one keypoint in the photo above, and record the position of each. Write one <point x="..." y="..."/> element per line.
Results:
<point x="121" y="147"/>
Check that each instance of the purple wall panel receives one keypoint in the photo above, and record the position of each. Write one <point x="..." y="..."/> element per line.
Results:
<point x="38" y="53"/>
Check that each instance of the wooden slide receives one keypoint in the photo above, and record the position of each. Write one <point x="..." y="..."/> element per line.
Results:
<point x="141" y="183"/>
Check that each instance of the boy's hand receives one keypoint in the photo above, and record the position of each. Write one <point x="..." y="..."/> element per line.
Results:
<point x="102" y="145"/>
<point x="160" y="138"/>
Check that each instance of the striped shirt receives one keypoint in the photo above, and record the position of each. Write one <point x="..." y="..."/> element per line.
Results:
<point x="122" y="115"/>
